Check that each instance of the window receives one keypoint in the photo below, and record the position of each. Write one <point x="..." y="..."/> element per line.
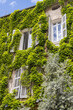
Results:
<point x="57" y="30"/>
<point x="21" y="91"/>
<point x="26" y="40"/>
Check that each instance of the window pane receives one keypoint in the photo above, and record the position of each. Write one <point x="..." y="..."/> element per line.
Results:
<point x="54" y="32"/>
<point x="59" y="31"/>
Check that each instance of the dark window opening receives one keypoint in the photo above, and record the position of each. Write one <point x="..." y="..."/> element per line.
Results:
<point x="25" y="42"/>
<point x="55" y="7"/>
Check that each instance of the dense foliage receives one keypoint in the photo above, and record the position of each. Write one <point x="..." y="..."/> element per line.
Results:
<point x="57" y="86"/>
<point x="33" y="59"/>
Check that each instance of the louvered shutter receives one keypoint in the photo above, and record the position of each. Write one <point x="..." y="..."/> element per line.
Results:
<point x="49" y="29"/>
<point x="29" y="40"/>
<point x="64" y="27"/>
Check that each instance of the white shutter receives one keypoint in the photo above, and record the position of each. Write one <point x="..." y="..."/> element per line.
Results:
<point x="49" y="29"/>
<point x="12" y="50"/>
<point x="13" y="33"/>
<point x="17" y="83"/>
<point x="64" y="27"/>
<point x="29" y="40"/>
<point x="21" y="42"/>
<point x="23" y="92"/>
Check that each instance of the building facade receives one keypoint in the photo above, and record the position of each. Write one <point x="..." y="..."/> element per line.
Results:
<point x="57" y="30"/>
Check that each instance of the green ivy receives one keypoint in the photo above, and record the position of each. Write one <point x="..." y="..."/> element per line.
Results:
<point x="33" y="59"/>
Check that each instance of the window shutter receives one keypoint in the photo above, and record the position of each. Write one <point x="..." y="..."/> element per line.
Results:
<point x="17" y="84"/>
<point x="13" y="33"/>
<point x="12" y="50"/>
<point x="49" y="29"/>
<point x="23" y="92"/>
<point x="64" y="27"/>
<point x="21" y="42"/>
<point x="29" y="39"/>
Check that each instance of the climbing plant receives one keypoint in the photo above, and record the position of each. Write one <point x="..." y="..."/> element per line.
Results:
<point x="33" y="59"/>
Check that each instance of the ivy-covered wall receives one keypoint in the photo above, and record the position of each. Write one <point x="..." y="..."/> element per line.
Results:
<point x="35" y="57"/>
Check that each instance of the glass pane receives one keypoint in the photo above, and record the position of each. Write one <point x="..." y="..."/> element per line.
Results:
<point x="54" y="32"/>
<point x="59" y="31"/>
